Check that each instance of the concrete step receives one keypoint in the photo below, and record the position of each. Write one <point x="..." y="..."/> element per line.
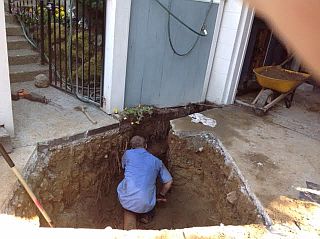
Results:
<point x="13" y="30"/>
<point x="11" y="19"/>
<point x="20" y="73"/>
<point x="5" y="139"/>
<point x="17" y="42"/>
<point x="23" y="56"/>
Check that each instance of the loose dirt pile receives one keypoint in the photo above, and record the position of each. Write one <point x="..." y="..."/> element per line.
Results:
<point x="281" y="74"/>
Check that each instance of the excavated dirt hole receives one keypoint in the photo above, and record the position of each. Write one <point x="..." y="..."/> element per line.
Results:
<point x="76" y="183"/>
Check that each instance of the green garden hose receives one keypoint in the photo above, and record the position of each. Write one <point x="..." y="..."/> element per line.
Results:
<point x="202" y="32"/>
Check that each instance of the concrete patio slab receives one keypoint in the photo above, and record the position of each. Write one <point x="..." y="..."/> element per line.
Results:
<point x="303" y="115"/>
<point x="273" y="159"/>
<point x="36" y="122"/>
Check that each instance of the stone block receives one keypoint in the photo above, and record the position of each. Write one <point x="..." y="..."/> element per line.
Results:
<point x="41" y="81"/>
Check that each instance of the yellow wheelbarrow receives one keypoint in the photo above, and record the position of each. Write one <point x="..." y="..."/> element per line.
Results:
<point x="277" y="84"/>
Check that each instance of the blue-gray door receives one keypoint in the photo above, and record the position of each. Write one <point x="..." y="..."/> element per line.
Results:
<point x="155" y="75"/>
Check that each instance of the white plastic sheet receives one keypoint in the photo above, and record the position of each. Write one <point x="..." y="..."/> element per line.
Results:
<point x="200" y="118"/>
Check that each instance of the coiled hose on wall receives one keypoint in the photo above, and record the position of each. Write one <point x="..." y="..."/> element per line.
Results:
<point x="201" y="33"/>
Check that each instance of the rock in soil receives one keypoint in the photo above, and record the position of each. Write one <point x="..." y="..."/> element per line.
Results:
<point x="41" y="81"/>
<point x="232" y="197"/>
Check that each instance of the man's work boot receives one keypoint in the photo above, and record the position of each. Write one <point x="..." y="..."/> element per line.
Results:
<point x="129" y="220"/>
<point x="147" y="217"/>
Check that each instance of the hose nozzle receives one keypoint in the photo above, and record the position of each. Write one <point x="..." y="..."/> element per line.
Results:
<point x="204" y="30"/>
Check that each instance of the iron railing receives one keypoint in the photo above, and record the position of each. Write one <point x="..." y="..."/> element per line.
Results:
<point x="70" y="37"/>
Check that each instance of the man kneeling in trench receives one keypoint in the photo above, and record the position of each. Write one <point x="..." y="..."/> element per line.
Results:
<point x="137" y="191"/>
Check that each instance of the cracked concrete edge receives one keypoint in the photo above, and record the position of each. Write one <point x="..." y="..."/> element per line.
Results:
<point x="230" y="161"/>
<point x="50" y="147"/>
<point x="17" y="184"/>
<point x="42" y="146"/>
<point x="217" y="144"/>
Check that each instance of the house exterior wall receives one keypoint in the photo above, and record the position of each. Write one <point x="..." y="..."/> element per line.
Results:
<point x="6" y="118"/>
<point x="155" y="75"/>
<point x="230" y="49"/>
<point x="221" y="70"/>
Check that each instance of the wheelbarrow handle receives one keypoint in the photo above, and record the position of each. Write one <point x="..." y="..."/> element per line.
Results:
<point x="286" y="60"/>
<point x="6" y="156"/>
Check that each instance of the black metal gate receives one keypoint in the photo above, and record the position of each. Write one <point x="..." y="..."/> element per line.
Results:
<point x="70" y="37"/>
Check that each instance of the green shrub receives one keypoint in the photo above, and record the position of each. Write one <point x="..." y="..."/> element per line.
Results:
<point x="93" y="70"/>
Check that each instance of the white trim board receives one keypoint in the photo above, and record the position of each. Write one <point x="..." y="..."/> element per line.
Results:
<point x="116" y="49"/>
<point x="213" y="49"/>
<point x="6" y="116"/>
<point x="230" y="52"/>
<point x="239" y="53"/>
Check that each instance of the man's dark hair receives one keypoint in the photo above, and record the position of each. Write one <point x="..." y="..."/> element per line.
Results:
<point x="137" y="142"/>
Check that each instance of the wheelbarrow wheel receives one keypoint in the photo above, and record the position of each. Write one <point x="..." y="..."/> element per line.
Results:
<point x="259" y="112"/>
<point x="288" y="100"/>
<point x="265" y="97"/>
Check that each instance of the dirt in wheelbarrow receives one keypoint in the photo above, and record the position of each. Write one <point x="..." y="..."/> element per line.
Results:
<point x="279" y="73"/>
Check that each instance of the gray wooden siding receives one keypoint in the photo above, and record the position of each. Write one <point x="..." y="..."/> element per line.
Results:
<point x="155" y="75"/>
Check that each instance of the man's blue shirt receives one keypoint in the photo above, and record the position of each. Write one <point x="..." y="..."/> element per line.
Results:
<point x="137" y="191"/>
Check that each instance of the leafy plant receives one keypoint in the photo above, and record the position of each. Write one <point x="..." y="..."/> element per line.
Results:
<point x="136" y="114"/>
<point x="59" y="13"/>
<point x="26" y="14"/>
<point x="93" y="4"/>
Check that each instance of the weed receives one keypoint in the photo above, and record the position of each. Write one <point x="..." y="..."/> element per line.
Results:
<point x="136" y="114"/>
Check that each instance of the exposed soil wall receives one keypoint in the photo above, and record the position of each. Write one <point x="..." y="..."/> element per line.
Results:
<point x="211" y="189"/>
<point x="155" y="128"/>
<point x="76" y="182"/>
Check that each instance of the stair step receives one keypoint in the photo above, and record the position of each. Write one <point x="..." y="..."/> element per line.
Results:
<point x="20" y="73"/>
<point x="11" y="19"/>
<point x="23" y="56"/>
<point x="5" y="139"/>
<point x="17" y="42"/>
<point x="14" y="30"/>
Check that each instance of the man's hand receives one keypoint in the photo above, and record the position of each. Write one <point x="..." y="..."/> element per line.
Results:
<point x="161" y="198"/>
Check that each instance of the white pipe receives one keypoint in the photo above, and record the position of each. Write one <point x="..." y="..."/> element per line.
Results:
<point x="308" y="190"/>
